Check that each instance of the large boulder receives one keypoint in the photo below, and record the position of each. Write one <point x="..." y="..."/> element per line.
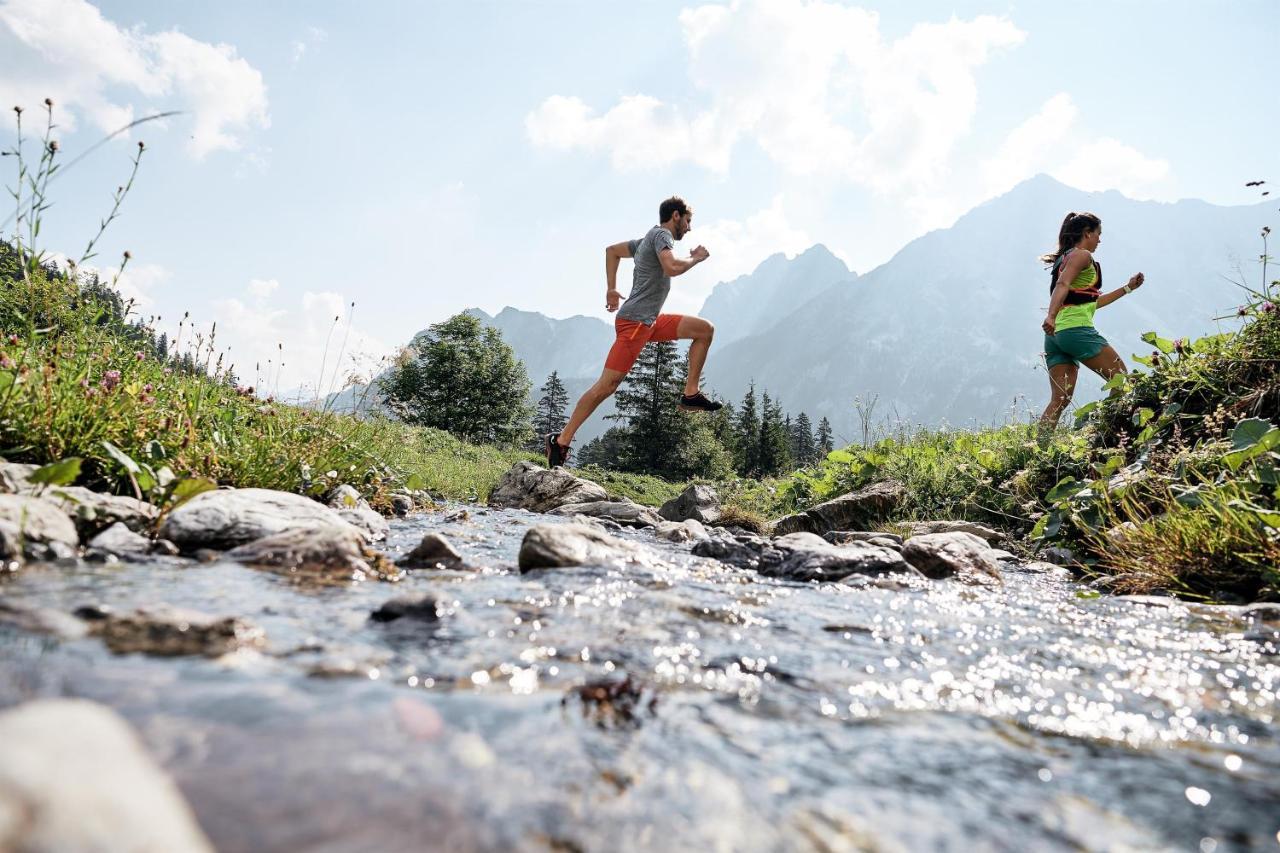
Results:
<point x="529" y="486"/>
<point x="962" y="556"/>
<point x="804" y="557"/>
<point x="91" y="511"/>
<point x="626" y="513"/>
<point x="698" y="501"/>
<point x="854" y="511"/>
<point x="982" y="531"/>
<point x="74" y="776"/>
<point x="549" y="546"/>
<point x="229" y="517"/>
<point x="172" y="631"/>
<point x="35" y="527"/>
<point x="316" y="555"/>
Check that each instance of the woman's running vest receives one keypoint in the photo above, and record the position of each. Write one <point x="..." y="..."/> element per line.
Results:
<point x="1082" y="295"/>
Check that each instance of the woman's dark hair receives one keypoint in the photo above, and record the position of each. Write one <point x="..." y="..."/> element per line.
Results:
<point x="1073" y="228"/>
<point x="675" y="204"/>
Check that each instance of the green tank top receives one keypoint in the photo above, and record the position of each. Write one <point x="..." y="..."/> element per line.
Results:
<point x="1078" y="316"/>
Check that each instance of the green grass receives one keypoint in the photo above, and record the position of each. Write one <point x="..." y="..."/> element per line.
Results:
<point x="641" y="488"/>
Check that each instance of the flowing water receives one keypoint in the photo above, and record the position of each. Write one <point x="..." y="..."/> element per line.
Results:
<point x="684" y="705"/>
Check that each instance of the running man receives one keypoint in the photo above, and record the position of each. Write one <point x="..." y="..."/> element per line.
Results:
<point x="640" y="321"/>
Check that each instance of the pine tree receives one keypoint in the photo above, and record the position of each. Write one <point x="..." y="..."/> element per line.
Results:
<point x="803" y="446"/>
<point x="647" y="402"/>
<point x="747" y="452"/>
<point x="549" y="415"/>
<point x="774" y="450"/>
<point x="825" y="443"/>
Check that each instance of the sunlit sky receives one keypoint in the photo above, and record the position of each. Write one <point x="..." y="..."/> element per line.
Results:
<point x="422" y="158"/>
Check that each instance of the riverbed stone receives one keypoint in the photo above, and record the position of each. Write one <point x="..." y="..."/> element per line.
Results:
<point x="168" y="631"/>
<point x="853" y="511"/>
<point x="698" y="501"/>
<point x="402" y="505"/>
<point x="689" y="530"/>
<point x="532" y="487"/>
<point x="229" y="517"/>
<point x="982" y="531"/>
<point x="355" y="510"/>
<point x="626" y="513"/>
<point x="40" y="620"/>
<point x="803" y="556"/>
<point x="958" y="555"/>
<point x="844" y="537"/>
<point x="420" y="608"/>
<point x="317" y="555"/>
<point x="37" y="527"/>
<point x="548" y="546"/>
<point x="75" y="776"/>
<point x="433" y="552"/>
<point x="119" y="541"/>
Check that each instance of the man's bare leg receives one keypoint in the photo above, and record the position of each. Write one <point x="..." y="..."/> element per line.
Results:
<point x="590" y="401"/>
<point x="701" y="332"/>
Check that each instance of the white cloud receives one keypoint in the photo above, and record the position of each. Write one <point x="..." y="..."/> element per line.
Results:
<point x="135" y="284"/>
<point x="313" y="37"/>
<point x="814" y="84"/>
<point x="737" y="248"/>
<point x="279" y="345"/>
<point x="94" y="69"/>
<point x="1106" y="163"/>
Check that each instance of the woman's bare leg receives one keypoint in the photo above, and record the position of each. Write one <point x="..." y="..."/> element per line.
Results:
<point x="1062" y="384"/>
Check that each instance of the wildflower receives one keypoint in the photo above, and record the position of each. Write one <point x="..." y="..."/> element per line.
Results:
<point x="168" y="371"/>
<point x="127" y="254"/>
<point x="84" y="383"/>
<point x="139" y="355"/>
<point x="13" y="339"/>
<point x="1242" y="311"/>
<point x="18" y="110"/>
<point x="53" y="146"/>
<point x="141" y="145"/>
<point x="1155" y="355"/>
<point x="110" y="380"/>
<point x="146" y="399"/>
<point x="332" y="475"/>
<point x="146" y="389"/>
<point x="1180" y="346"/>
<point x="1268" y="308"/>
<point x="6" y="362"/>
<point x="90" y="392"/>
<point x="48" y="102"/>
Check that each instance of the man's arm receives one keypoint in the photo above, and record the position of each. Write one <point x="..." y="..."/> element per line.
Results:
<point x="613" y="254"/>
<point x="673" y="266"/>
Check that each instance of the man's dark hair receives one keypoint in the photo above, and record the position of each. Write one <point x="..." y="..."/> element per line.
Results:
<point x="675" y="204"/>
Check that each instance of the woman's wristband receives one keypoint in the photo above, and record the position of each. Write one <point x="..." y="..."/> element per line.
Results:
<point x="1128" y="288"/>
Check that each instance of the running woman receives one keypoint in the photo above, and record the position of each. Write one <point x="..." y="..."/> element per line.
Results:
<point x="1075" y="284"/>
<point x="640" y="320"/>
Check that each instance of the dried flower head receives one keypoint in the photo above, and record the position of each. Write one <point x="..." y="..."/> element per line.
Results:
<point x="13" y="340"/>
<point x="53" y="146"/>
<point x="110" y="379"/>
<point x="48" y="102"/>
<point x="127" y="254"/>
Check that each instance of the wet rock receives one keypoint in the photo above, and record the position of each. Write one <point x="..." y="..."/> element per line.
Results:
<point x="1038" y="567"/>
<point x="626" y="513"/>
<point x="844" y="537"/>
<point x="14" y="478"/>
<point x="318" y="555"/>
<point x="698" y="502"/>
<point x="229" y="517"/>
<point x="613" y="703"/>
<point x="528" y="486"/>
<point x="433" y="552"/>
<point x="1122" y="532"/>
<point x="1059" y="556"/>
<point x="119" y="541"/>
<point x="75" y="776"/>
<point x="37" y="528"/>
<point x="1264" y="623"/>
<point x="744" y="550"/>
<point x="549" y="546"/>
<point x="962" y="556"/>
<point x="355" y="510"/>
<point x="171" y="631"/>
<point x="854" y="511"/>
<point x="803" y="556"/>
<point x="982" y="531"/>
<point x="413" y="607"/>
<point x="401" y="505"/>
<point x="886" y="542"/>
<point x="689" y="530"/>
<point x="92" y="512"/>
<point x="41" y="620"/>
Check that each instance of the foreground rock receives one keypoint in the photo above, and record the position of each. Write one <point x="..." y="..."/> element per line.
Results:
<point x="854" y="511"/>
<point x="698" y="502"/>
<point x="420" y="608"/>
<point x="92" y="512"/>
<point x="40" y="620"/>
<point x="528" y="486"/>
<point x="320" y="555"/>
<point x="982" y="531"/>
<point x="74" y="776"/>
<point x="229" y="517"/>
<point x="549" y="546"/>
<point x="626" y="513"/>
<point x="119" y="541"/>
<point x="962" y="556"/>
<point x="844" y="537"/>
<point x="36" y="529"/>
<point x="433" y="552"/>
<point x="689" y="530"/>
<point x="172" y="631"/>
<point x="355" y="510"/>
<point x="804" y="557"/>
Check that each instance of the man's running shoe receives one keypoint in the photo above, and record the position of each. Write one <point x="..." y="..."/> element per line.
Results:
<point x="698" y="403"/>
<point x="557" y="453"/>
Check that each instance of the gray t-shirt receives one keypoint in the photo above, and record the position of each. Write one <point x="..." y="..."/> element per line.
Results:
<point x="649" y="285"/>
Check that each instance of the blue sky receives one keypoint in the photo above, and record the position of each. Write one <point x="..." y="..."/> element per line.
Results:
<point x="422" y="158"/>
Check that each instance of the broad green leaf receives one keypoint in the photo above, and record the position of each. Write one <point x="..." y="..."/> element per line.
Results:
<point x="1143" y="359"/>
<point x="1141" y="416"/>
<point x="1163" y="344"/>
<point x="61" y="473"/>
<point x="1117" y="381"/>
<point x="1112" y="465"/>
<point x="840" y="456"/>
<point x="1249" y="432"/>
<point x="125" y="460"/>
<point x="1065" y="488"/>
<point x="414" y="483"/>
<point x="1267" y="441"/>
<point x="1146" y="434"/>
<point x="1192" y="497"/>
<point x="987" y="458"/>
<point x="189" y="488"/>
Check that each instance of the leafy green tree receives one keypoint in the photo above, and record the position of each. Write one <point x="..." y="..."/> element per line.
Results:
<point x="607" y="451"/>
<point x="460" y="376"/>
<point x="825" y="442"/>
<point x="549" y="414"/>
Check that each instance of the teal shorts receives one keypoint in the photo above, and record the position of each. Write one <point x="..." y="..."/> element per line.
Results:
<point x="1072" y="346"/>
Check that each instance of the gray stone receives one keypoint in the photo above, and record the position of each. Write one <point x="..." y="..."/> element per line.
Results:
<point x="1059" y="556"/>
<point x="415" y="607"/>
<point x="698" y="502"/>
<point x="39" y="526"/>
<point x="170" y="631"/>
<point x="355" y="510"/>
<point x="229" y="517"/>
<point x="844" y="537"/>
<point x="854" y="511"/>
<point x="41" y="620"/>
<point x="803" y="556"/>
<point x="548" y="546"/>
<point x="962" y="556"/>
<point x="982" y="531"/>
<point x="317" y="555"/>
<point x="626" y="513"/>
<point x="74" y="776"/>
<point x="894" y="544"/>
<point x="94" y="512"/>
<point x="434" y="551"/>
<point x="529" y="486"/>
<point x="689" y="530"/>
<point x="401" y="505"/>
<point x="14" y="478"/>
<point x="119" y="541"/>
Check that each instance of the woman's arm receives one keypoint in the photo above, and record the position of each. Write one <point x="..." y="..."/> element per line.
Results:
<point x="1072" y="268"/>
<point x="1134" y="283"/>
